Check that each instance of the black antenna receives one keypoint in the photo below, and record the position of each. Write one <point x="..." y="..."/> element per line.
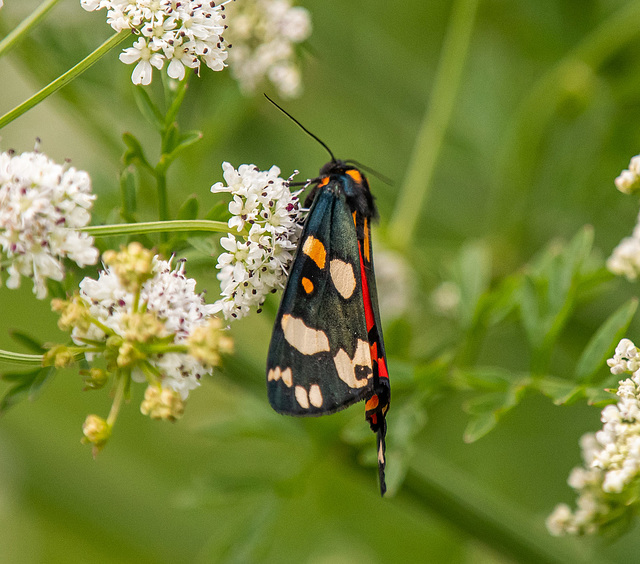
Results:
<point x="286" y="113"/>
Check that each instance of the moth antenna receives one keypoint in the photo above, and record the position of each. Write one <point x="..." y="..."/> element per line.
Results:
<point x="286" y="113"/>
<point x="372" y="172"/>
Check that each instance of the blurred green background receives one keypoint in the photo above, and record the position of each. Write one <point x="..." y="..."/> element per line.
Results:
<point x="546" y="115"/>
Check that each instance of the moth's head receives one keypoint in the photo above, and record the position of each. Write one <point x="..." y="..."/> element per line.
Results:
<point x="340" y="168"/>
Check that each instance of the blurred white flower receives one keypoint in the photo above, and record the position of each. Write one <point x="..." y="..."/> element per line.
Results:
<point x="607" y="483"/>
<point x="628" y="182"/>
<point x="264" y="231"/>
<point x="185" y="33"/>
<point x="264" y="34"/>
<point x="625" y="259"/>
<point x="395" y="283"/>
<point x="41" y="206"/>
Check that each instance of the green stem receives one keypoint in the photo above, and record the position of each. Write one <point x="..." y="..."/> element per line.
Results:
<point x="65" y="78"/>
<point x="123" y="380"/>
<point x="160" y="227"/>
<point x="23" y="29"/>
<point x="19" y="358"/>
<point x="508" y="202"/>
<point x="425" y="153"/>
<point x="449" y="492"/>
<point x="163" y="203"/>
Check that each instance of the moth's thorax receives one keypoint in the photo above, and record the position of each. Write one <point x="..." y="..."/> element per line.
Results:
<point x="342" y="177"/>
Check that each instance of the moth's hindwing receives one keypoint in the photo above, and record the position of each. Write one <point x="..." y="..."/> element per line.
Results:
<point x="319" y="358"/>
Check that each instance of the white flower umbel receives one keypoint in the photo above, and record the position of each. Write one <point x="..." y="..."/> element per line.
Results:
<point x="608" y="483"/>
<point x="141" y="320"/>
<point x="625" y="259"/>
<point x="264" y="34"/>
<point x="184" y="34"/>
<point x="628" y="182"/>
<point x="42" y="204"/>
<point x="264" y="231"/>
<point x="176" y="310"/>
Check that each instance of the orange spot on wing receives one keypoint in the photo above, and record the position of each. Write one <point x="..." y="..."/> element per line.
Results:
<point x="315" y="250"/>
<point x="323" y="182"/>
<point x="367" y="243"/>
<point x="307" y="285"/>
<point x="355" y="174"/>
<point x="372" y="403"/>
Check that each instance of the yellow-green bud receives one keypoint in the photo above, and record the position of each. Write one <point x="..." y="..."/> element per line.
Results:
<point x="132" y="265"/>
<point x="59" y="356"/>
<point x="207" y="342"/>
<point x="162" y="403"/>
<point x="95" y="378"/>
<point x="96" y="432"/>
<point x="142" y="327"/>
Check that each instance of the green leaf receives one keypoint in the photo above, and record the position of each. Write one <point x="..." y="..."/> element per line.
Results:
<point x="42" y="377"/>
<point x="489" y="402"/>
<point x="134" y="153"/>
<point x="128" y="194"/>
<point x="474" y="274"/>
<point x="604" y="341"/>
<point x="479" y="426"/>
<point x="600" y="397"/>
<point x="219" y="212"/>
<point x="14" y="395"/>
<point x="485" y="378"/>
<point x="203" y="245"/>
<point x="181" y="143"/>
<point x="561" y="392"/>
<point x="31" y="343"/>
<point x="530" y="312"/>
<point x="189" y="209"/>
<point x="20" y="376"/>
<point x="148" y="109"/>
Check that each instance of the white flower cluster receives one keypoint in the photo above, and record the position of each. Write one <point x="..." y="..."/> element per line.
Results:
<point x="611" y="457"/>
<point x="256" y="261"/>
<point x="171" y="297"/>
<point x="628" y="182"/>
<point x="185" y="33"/>
<point x="41" y="206"/>
<point x="625" y="259"/>
<point x="264" y="34"/>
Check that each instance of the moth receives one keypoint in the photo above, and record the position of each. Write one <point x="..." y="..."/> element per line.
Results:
<point x="327" y="351"/>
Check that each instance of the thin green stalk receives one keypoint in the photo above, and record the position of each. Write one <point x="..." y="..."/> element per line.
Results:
<point x="572" y="73"/>
<point x="417" y="183"/>
<point x="159" y="227"/>
<point x="23" y="29"/>
<point x="449" y="492"/>
<point x="163" y="201"/>
<point x="19" y="358"/>
<point x="65" y="78"/>
<point x="123" y="381"/>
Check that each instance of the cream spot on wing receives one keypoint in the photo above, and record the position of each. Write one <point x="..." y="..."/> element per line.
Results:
<point x="302" y="397"/>
<point x="380" y="454"/>
<point x="276" y="374"/>
<point x="346" y="367"/>
<point x="302" y="338"/>
<point x="315" y="395"/>
<point x="342" y="277"/>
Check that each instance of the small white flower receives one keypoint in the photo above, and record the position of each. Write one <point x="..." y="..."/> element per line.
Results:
<point x="256" y="262"/>
<point x="41" y="206"/>
<point x="628" y="182"/>
<point x="183" y="33"/>
<point x="264" y="34"/>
